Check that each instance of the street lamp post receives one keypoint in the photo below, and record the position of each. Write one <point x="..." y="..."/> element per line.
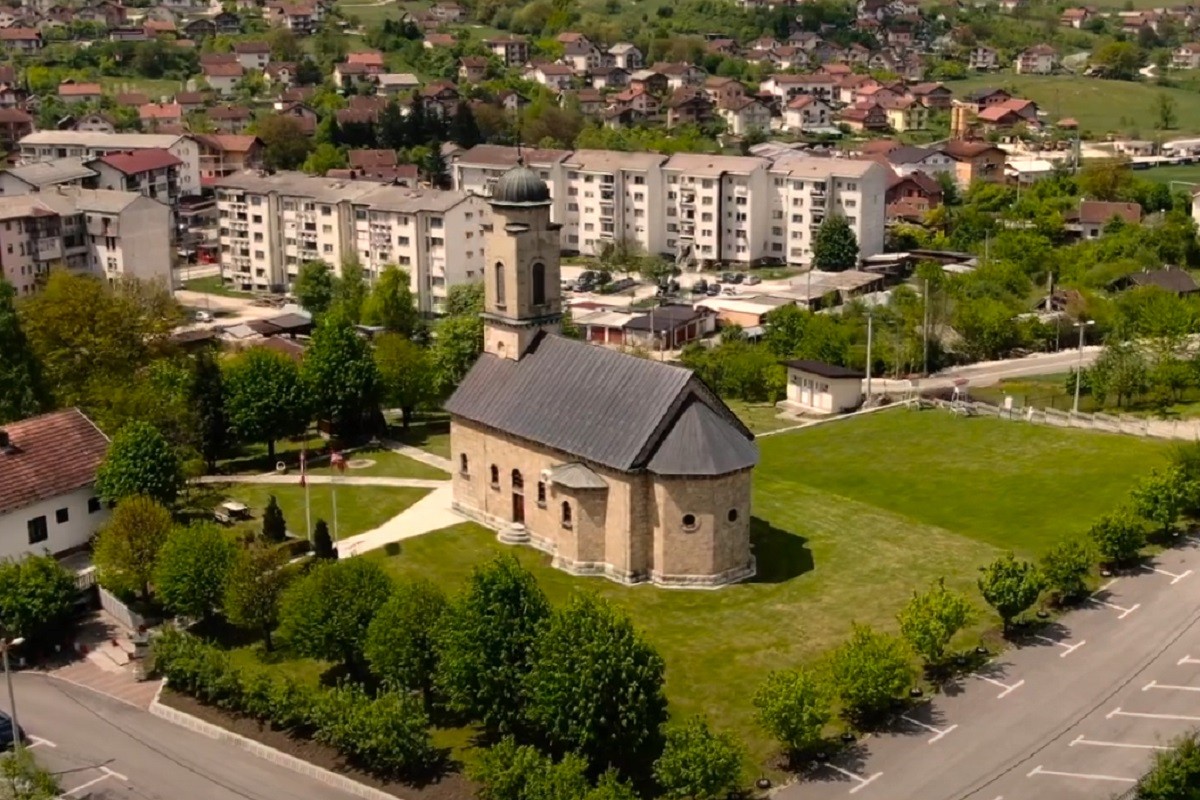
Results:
<point x="12" y="697"/>
<point x="1079" y="363"/>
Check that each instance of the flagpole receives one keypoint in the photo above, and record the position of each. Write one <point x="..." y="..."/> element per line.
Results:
<point x="307" y="501"/>
<point x="338" y="462"/>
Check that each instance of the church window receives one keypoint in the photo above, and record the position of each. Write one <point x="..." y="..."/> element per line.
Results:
<point x="518" y="482"/>
<point x="733" y="515"/>
<point x="689" y="522"/>
<point x="541" y="494"/>
<point x="539" y="283"/>
<point x="500" y="299"/>
<point x="566" y="514"/>
<point x="462" y="463"/>
<point x="495" y="476"/>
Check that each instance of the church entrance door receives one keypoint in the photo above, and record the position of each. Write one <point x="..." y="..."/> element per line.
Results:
<point x="518" y="508"/>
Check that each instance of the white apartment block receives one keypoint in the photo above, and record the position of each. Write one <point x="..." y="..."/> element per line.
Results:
<point x="85" y="145"/>
<point x="270" y="225"/>
<point x="720" y="209"/>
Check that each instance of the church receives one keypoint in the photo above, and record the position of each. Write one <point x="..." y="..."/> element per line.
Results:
<point x="614" y="465"/>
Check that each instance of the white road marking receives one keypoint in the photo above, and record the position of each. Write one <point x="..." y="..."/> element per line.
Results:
<point x="1125" y="612"/>
<point x="1111" y="778"/>
<point x="938" y="732"/>
<point x="38" y="741"/>
<point x="1117" y="712"/>
<point x="862" y="782"/>
<point x="1169" y="687"/>
<point x="1187" y="660"/>
<point x="1094" y="743"/>
<point x="1007" y="689"/>
<point x="1069" y="648"/>
<point x="108" y="773"/>
<point x="1174" y="578"/>
<point x="1105" y="587"/>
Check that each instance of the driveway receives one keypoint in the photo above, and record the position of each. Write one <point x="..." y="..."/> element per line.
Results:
<point x="1076" y="712"/>
<point x="103" y="748"/>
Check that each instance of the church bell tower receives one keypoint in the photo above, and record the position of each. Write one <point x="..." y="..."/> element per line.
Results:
<point x="522" y="277"/>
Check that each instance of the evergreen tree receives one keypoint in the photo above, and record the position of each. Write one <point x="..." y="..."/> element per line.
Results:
<point x="434" y="166"/>
<point x="328" y="131"/>
<point x="464" y="130"/>
<point x="835" y="248"/>
<point x="390" y="128"/>
<point x="274" y="526"/>
<point x="416" y="128"/>
<point x="322" y="541"/>
<point x="208" y="400"/>
<point x="22" y="393"/>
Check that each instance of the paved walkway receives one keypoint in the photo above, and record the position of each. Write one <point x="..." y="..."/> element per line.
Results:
<point x="341" y="480"/>
<point x="417" y="454"/>
<point x="430" y="513"/>
<point x="120" y="683"/>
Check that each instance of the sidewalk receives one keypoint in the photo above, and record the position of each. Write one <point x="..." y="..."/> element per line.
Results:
<point x="430" y="513"/>
<point x="341" y="480"/>
<point x="417" y="454"/>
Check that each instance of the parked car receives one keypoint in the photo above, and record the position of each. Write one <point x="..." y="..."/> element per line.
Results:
<point x="6" y="731"/>
<point x="203" y="316"/>
<point x="738" y="277"/>
<point x="753" y="280"/>
<point x="714" y="289"/>
<point x="729" y="291"/>
<point x="728" y="277"/>
<point x="700" y="286"/>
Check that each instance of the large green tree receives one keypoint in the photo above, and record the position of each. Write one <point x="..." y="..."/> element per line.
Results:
<point x="265" y="398"/>
<point x="139" y="461"/>
<point x="208" y="401"/>
<point x="406" y="374"/>
<point x="870" y="671"/>
<point x="698" y="763"/>
<point x="595" y="687"/>
<point x="340" y="374"/>
<point x="350" y="289"/>
<point x="285" y="145"/>
<point x="192" y="570"/>
<point x="391" y="303"/>
<point x="485" y="640"/>
<point x="314" y="287"/>
<point x="1011" y="587"/>
<point x="127" y="546"/>
<point x="400" y="646"/>
<point x="37" y="595"/>
<point x="326" y="613"/>
<point x="835" y="247"/>
<point x="457" y="344"/>
<point x="253" y="590"/>
<point x="22" y="390"/>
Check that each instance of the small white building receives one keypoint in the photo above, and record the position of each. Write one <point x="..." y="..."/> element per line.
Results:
<point x="815" y="386"/>
<point x="47" y="499"/>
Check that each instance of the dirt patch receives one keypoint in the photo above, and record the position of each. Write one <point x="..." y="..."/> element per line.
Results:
<point x="453" y="786"/>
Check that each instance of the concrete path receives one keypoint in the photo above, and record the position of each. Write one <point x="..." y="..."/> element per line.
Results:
<point x="430" y="513"/>
<point x="417" y="454"/>
<point x="341" y="480"/>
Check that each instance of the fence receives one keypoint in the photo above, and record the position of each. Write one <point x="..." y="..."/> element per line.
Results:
<point x="119" y="611"/>
<point x="1188" y="429"/>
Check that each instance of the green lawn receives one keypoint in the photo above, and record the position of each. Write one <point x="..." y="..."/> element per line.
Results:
<point x="252" y="459"/>
<point x="759" y="417"/>
<point x="212" y="285"/>
<point x="1053" y="391"/>
<point x="155" y="88"/>
<point x="371" y="14"/>
<point x="1100" y="106"/>
<point x="429" y="433"/>
<point x="1185" y="173"/>
<point x="387" y="463"/>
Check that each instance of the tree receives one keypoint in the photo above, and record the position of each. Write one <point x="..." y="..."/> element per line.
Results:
<point x="400" y="639"/>
<point x="405" y="374"/>
<point x="322" y="542"/>
<point x="253" y="590"/>
<point x="1165" y="112"/>
<point x="208" y="399"/>
<point x="324" y="157"/>
<point x="274" y="526"/>
<point x="326" y="613"/>
<point x="485" y="640"/>
<point x="697" y="763"/>
<point x="350" y="289"/>
<point x="139" y="461"/>
<point x="1064" y="569"/>
<point x="870" y="671"/>
<point x="1120" y="60"/>
<point x="390" y="127"/>
<point x="285" y="145"/>
<point x="465" y="300"/>
<point x="1011" y="587"/>
<point x="456" y="347"/>
<point x="1118" y="536"/>
<point x="930" y="621"/>
<point x="464" y="130"/>
<point x="340" y="375"/>
<point x="1119" y="372"/>
<point x="192" y="568"/>
<point x="988" y="327"/>
<point x="793" y="706"/>
<point x="1162" y="496"/>
<point x="22" y="392"/>
<point x="265" y="398"/>
<point x="391" y="303"/>
<point x="595" y="687"/>
<point x="127" y="545"/>
<point x="22" y="779"/>
<point x="835" y="248"/>
<point x="37" y="596"/>
<point x="1175" y="773"/>
<point x="314" y="287"/>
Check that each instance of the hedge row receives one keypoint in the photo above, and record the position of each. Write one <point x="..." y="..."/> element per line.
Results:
<point x="386" y="734"/>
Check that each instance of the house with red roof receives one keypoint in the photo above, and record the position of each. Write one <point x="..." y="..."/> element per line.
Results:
<point x="15" y="124"/>
<point x="252" y="55"/>
<point x="20" y="40"/>
<point x="223" y="77"/>
<point x="155" y="115"/>
<point x="152" y="172"/>
<point x="223" y="154"/>
<point x="71" y="92"/>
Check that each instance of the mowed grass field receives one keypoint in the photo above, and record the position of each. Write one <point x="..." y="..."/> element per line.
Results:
<point x="1100" y="106"/>
<point x="849" y="519"/>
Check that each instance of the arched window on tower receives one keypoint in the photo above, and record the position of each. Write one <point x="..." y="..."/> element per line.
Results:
<point x="500" y="299"/>
<point x="539" y="283"/>
<point x="566" y="514"/>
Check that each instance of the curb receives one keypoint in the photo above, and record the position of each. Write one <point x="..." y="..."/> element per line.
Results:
<point x="185" y="720"/>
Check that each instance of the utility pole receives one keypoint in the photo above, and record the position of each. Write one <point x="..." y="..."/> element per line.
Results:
<point x="12" y="697"/>
<point x="925" y="333"/>
<point x="870" y="336"/>
<point x="1079" y="363"/>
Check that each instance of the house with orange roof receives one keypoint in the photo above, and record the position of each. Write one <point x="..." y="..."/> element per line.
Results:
<point x="71" y="92"/>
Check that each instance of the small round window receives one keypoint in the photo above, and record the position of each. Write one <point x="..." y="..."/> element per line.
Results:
<point x="689" y="522"/>
<point x="733" y="515"/>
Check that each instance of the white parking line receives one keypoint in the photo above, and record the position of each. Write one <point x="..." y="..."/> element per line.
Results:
<point x="1094" y="743"/>
<point x="1069" y="648"/>
<point x="1111" y="778"/>
<point x="108" y="773"/>
<point x="1007" y="689"/>
<point x="938" y="732"/>
<point x="37" y="741"/>
<point x="1125" y="612"/>
<point x="1117" y="712"/>
<point x="1105" y="587"/>
<point x="1174" y="578"/>
<point x="1169" y="687"/>
<point x="862" y="782"/>
<point x="1187" y="660"/>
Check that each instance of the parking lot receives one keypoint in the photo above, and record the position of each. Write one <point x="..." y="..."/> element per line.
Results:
<point x="1076" y="711"/>
<point x="81" y="780"/>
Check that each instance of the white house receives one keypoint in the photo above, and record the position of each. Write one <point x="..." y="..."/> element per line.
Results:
<point x="47" y="500"/>
<point x="805" y="112"/>
<point x="814" y="386"/>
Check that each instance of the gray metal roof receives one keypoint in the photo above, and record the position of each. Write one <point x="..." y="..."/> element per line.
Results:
<point x="577" y="476"/>
<point x="48" y="173"/>
<point x="605" y="407"/>
<point x="701" y="442"/>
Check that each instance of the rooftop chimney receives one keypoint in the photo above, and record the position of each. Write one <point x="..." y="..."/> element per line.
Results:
<point x="5" y="443"/>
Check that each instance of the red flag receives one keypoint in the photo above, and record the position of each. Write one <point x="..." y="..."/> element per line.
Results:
<point x="338" y="462"/>
<point x="303" y="463"/>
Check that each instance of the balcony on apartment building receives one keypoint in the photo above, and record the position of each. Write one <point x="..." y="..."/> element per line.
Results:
<point x="687" y="198"/>
<point x="48" y="249"/>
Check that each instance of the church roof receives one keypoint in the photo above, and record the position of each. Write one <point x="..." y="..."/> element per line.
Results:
<point x="521" y="186"/>
<point x="606" y="407"/>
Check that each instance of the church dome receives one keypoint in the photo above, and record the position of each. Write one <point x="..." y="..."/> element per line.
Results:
<point x="521" y="186"/>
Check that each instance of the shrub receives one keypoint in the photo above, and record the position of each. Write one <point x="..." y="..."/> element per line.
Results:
<point x="870" y="672"/>
<point x="1119" y="537"/>
<point x="1065" y="568"/>
<point x="274" y="526"/>
<point x="388" y="734"/>
<point x="793" y="706"/>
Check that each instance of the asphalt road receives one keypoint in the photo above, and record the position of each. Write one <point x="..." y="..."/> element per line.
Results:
<point x="102" y="748"/>
<point x="1074" y="715"/>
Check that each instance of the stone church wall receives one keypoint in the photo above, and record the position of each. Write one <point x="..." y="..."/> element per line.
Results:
<point x="714" y="549"/>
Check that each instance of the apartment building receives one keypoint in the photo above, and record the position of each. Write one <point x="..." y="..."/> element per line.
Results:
<point x="109" y="234"/>
<point x="87" y="146"/>
<point x="270" y="225"/>
<point x="716" y="209"/>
